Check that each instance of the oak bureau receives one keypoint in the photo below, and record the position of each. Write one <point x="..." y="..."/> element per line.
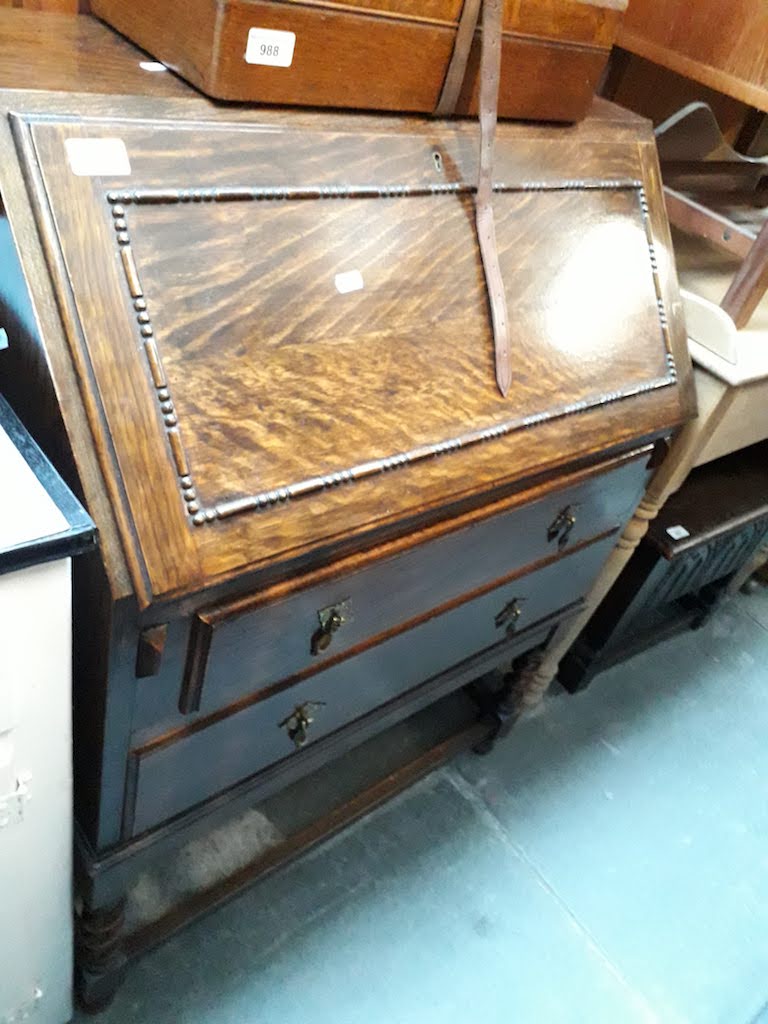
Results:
<point x="258" y="344"/>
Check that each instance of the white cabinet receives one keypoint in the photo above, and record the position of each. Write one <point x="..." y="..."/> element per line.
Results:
<point x="41" y="526"/>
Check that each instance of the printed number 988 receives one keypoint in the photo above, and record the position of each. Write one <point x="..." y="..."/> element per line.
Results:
<point x="270" y="50"/>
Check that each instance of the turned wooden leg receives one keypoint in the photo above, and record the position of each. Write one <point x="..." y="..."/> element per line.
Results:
<point x="99" y="959"/>
<point x="534" y="678"/>
<point x="502" y="709"/>
<point x="540" y="669"/>
<point x="497" y="712"/>
<point x="526" y="685"/>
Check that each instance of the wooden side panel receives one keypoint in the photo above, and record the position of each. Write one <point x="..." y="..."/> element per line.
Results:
<point x="251" y="404"/>
<point x="540" y="80"/>
<point x="585" y="21"/>
<point x="722" y="45"/>
<point x="591" y="23"/>
<point x="338" y="61"/>
<point x="657" y="93"/>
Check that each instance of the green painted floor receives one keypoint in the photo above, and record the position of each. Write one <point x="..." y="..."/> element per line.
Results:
<point x="608" y="863"/>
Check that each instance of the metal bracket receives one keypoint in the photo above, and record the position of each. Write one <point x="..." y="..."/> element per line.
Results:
<point x="343" y="609"/>
<point x="509" y="614"/>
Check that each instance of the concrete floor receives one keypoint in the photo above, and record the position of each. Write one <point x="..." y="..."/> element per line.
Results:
<point x="608" y="863"/>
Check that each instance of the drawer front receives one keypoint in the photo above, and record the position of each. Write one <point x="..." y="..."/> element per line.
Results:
<point x="256" y="644"/>
<point x="180" y="771"/>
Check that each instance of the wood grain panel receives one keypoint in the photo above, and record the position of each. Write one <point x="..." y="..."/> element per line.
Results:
<point x="49" y="6"/>
<point x="255" y="305"/>
<point x="722" y="45"/>
<point x="57" y="51"/>
<point x="593" y="21"/>
<point x="540" y="80"/>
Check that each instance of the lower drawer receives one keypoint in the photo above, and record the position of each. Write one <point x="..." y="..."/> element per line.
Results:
<point x="193" y="764"/>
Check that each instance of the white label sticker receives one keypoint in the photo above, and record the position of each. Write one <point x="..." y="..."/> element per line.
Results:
<point x="91" y="157"/>
<point x="270" y="46"/>
<point x="3" y="339"/>
<point x="349" y="281"/>
<point x="678" y="532"/>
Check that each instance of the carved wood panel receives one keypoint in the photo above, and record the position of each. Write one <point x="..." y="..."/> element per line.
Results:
<point x="278" y="337"/>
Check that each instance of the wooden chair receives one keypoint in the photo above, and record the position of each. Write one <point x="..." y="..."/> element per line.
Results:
<point x="698" y="164"/>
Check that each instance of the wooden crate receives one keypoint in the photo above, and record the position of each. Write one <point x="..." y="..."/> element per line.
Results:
<point x="374" y="54"/>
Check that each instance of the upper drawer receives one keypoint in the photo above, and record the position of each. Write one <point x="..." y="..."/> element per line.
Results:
<point x="282" y="333"/>
<point x="264" y="641"/>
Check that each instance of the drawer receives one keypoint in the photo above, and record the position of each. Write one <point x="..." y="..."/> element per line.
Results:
<point x="193" y="764"/>
<point x="262" y="642"/>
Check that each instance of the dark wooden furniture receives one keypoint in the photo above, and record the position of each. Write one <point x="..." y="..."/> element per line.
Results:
<point x="259" y="344"/>
<point x="704" y="534"/>
<point x="374" y="54"/>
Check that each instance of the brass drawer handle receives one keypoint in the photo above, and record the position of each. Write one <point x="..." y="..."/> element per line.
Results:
<point x="331" y="620"/>
<point x="561" y="526"/>
<point x="299" y="721"/>
<point x="509" y="615"/>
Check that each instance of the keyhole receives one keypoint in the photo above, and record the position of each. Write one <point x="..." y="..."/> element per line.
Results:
<point x="438" y="162"/>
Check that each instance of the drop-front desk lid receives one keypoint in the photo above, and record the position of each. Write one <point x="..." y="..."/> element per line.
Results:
<point x="281" y="325"/>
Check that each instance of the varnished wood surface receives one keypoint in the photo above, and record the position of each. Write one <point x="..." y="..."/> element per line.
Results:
<point x="341" y="50"/>
<point x="540" y="79"/>
<point x="49" y="6"/>
<point x="588" y="21"/>
<point x="722" y="45"/>
<point x="214" y="354"/>
<point x="77" y="53"/>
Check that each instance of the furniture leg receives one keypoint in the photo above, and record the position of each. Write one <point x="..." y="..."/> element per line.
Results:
<point x="99" y="959"/>
<point x="539" y="671"/>
<point x="750" y="282"/>
<point x="534" y="678"/>
<point x="759" y="558"/>
<point x="500" y="712"/>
